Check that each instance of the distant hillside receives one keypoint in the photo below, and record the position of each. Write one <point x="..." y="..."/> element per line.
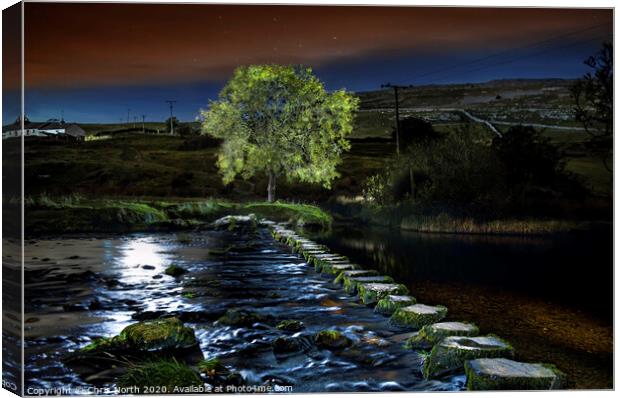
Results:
<point x="548" y="92"/>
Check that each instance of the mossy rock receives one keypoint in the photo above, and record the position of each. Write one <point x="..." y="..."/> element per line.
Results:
<point x="391" y="303"/>
<point x="322" y="259"/>
<point x="175" y="270"/>
<point x="451" y="353"/>
<point x="432" y="334"/>
<point x="161" y="334"/>
<point x="351" y="284"/>
<point x="371" y="293"/>
<point x="355" y="274"/>
<point x="335" y="268"/>
<point x="284" y="345"/>
<point x="241" y="318"/>
<point x="213" y="369"/>
<point x="166" y="374"/>
<point x="290" y="325"/>
<point x="486" y="374"/>
<point x="332" y="340"/>
<point x="418" y="315"/>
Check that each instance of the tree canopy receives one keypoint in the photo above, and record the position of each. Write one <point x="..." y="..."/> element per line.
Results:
<point x="280" y="121"/>
<point x="594" y="102"/>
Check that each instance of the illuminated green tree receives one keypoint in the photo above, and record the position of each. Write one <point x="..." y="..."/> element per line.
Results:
<point x="281" y="122"/>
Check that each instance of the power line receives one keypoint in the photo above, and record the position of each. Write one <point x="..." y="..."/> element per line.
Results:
<point x="519" y="58"/>
<point x="498" y="54"/>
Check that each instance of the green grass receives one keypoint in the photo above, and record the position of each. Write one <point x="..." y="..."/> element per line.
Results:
<point x="166" y="374"/>
<point x="444" y="223"/>
<point x="49" y="214"/>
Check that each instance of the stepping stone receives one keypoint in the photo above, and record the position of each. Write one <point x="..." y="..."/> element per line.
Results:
<point x="451" y="353"/>
<point x="506" y="374"/>
<point x="391" y="303"/>
<point x="418" y="315"/>
<point x="351" y="284"/>
<point x="320" y="260"/>
<point x="371" y="293"/>
<point x="432" y="334"/>
<point x="355" y="273"/>
<point x="337" y="268"/>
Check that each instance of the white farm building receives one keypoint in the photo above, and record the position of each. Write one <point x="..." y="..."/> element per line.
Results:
<point x="51" y="128"/>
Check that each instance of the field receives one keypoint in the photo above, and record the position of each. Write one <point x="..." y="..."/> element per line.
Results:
<point x="122" y="163"/>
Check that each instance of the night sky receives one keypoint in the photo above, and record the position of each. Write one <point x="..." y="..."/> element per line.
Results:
<point x="95" y="61"/>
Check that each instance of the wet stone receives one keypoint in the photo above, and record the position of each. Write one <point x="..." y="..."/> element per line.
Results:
<point x="391" y="303"/>
<point x="336" y="268"/>
<point x="331" y="340"/>
<point x="418" y="315"/>
<point x="505" y="374"/>
<point x="351" y="284"/>
<point x="451" y="353"/>
<point x="290" y="325"/>
<point x="371" y="293"/>
<point x="355" y="273"/>
<point x="432" y="334"/>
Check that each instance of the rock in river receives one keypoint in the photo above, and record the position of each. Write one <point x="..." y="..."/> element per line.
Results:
<point x="452" y="352"/>
<point x="418" y="315"/>
<point x="506" y="374"/>
<point x="355" y="273"/>
<point x="432" y="334"/>
<point x="352" y="283"/>
<point x="331" y="339"/>
<point x="371" y="293"/>
<point x="391" y="303"/>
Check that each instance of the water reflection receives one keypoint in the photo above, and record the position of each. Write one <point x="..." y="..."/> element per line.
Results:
<point x="549" y="267"/>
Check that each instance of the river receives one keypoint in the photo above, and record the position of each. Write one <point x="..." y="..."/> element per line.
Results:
<point x="551" y="296"/>
<point x="82" y="288"/>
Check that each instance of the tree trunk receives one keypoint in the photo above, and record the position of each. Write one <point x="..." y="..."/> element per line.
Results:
<point x="271" y="187"/>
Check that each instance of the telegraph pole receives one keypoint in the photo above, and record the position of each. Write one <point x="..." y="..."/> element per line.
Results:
<point x="143" y="131"/>
<point x="171" y="102"/>
<point x="397" y="116"/>
<point x="128" y="110"/>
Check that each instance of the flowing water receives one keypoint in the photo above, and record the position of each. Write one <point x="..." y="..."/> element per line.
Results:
<point x="78" y="289"/>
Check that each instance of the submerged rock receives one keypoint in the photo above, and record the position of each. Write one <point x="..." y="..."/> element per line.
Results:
<point x="418" y="315"/>
<point x="332" y="340"/>
<point x="175" y="270"/>
<point x="284" y="345"/>
<point x="241" y="318"/>
<point x="391" y="303"/>
<point x="432" y="334"/>
<point x="486" y="374"/>
<point x="355" y="273"/>
<point x="352" y="283"/>
<point x="290" y="325"/>
<point x="371" y="293"/>
<point x="451" y="353"/>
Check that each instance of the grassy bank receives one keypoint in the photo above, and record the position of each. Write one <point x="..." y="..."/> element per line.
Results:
<point x="75" y="214"/>
<point x="411" y="218"/>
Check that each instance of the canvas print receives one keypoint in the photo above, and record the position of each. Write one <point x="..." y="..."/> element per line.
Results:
<point x="235" y="198"/>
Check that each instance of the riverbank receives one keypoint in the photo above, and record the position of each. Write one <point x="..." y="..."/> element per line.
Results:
<point x="442" y="220"/>
<point x="74" y="214"/>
